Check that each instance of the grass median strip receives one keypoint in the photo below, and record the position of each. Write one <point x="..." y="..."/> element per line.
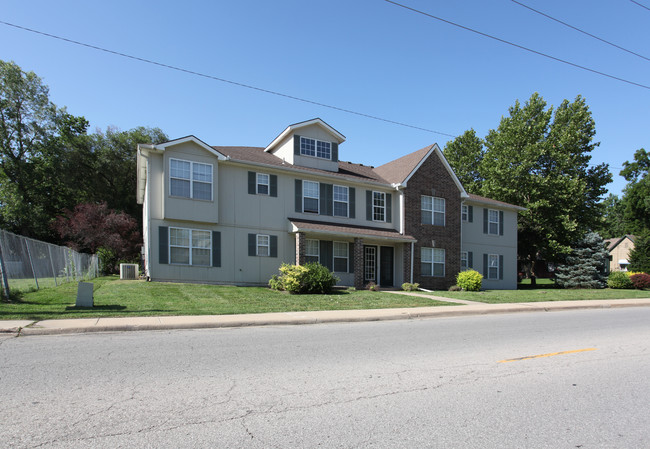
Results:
<point x="116" y="298"/>
<point x="542" y="294"/>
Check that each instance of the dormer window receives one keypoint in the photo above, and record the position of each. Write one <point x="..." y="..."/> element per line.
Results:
<point x="315" y="148"/>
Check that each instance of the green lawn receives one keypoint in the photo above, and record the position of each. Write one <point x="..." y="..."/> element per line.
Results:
<point x="543" y="293"/>
<point x="139" y="298"/>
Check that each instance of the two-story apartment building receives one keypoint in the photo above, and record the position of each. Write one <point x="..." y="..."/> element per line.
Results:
<point x="234" y="214"/>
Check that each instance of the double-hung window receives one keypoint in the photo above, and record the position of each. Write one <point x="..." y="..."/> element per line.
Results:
<point x="310" y="196"/>
<point x="341" y="256"/>
<point x="190" y="246"/>
<point x="341" y="201"/>
<point x="432" y="262"/>
<point x="433" y="210"/>
<point x="493" y="266"/>
<point x="315" y="148"/>
<point x="312" y="250"/>
<point x="464" y="212"/>
<point x="190" y="179"/>
<point x="263" y="245"/>
<point x="463" y="260"/>
<point x="378" y="206"/>
<point x="262" y="184"/>
<point x="493" y="222"/>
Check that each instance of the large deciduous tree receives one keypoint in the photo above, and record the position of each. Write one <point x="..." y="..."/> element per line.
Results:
<point x="465" y="154"/>
<point x="636" y="196"/>
<point x="539" y="159"/>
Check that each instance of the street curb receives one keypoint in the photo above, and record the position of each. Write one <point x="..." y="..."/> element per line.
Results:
<point x="75" y="326"/>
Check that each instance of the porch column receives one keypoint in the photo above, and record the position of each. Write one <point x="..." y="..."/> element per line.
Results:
<point x="301" y="247"/>
<point x="406" y="251"/>
<point x="358" y="263"/>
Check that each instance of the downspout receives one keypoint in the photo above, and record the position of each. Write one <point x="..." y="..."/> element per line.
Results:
<point x="412" y="259"/>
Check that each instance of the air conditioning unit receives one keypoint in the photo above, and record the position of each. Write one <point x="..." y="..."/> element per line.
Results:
<point x="129" y="271"/>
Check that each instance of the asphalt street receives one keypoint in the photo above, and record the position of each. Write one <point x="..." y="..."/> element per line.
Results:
<point x="572" y="379"/>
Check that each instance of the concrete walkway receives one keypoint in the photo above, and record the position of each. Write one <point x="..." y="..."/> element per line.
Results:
<point x="80" y="325"/>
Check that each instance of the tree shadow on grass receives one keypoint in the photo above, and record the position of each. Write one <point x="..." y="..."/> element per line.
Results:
<point x="110" y="307"/>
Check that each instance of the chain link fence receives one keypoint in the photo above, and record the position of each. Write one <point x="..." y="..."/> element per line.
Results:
<point x="27" y="264"/>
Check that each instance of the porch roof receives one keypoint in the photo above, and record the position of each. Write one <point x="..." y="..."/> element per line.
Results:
<point x="336" y="229"/>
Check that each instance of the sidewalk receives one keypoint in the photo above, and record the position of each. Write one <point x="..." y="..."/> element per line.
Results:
<point x="82" y="325"/>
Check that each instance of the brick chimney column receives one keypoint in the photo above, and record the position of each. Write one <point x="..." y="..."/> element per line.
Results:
<point x="301" y="247"/>
<point x="358" y="263"/>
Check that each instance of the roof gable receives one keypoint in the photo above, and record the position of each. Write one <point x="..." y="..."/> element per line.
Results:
<point x="291" y="129"/>
<point x="163" y="146"/>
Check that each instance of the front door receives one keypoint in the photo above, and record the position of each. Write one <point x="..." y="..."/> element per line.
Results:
<point x="386" y="266"/>
<point x="369" y="264"/>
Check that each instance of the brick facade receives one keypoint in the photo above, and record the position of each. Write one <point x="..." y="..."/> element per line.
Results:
<point x="433" y="179"/>
<point x="406" y="261"/>
<point x="358" y="263"/>
<point x="301" y="247"/>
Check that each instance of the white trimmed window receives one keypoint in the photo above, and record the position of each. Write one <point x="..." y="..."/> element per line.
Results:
<point x="190" y="179"/>
<point x="190" y="246"/>
<point x="378" y="206"/>
<point x="432" y="262"/>
<point x="433" y="210"/>
<point x="341" y="201"/>
<point x="463" y="261"/>
<point x="341" y="257"/>
<point x="464" y="212"/>
<point x="310" y="196"/>
<point x="315" y="148"/>
<point x="493" y="222"/>
<point x="263" y="245"/>
<point x="263" y="183"/>
<point x="312" y="250"/>
<point x="493" y="266"/>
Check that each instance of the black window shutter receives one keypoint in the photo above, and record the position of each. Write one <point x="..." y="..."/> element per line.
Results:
<point x="274" y="185"/>
<point x="369" y="205"/>
<point x="485" y="266"/>
<point x="351" y="257"/>
<point x="501" y="267"/>
<point x="216" y="248"/>
<point x="326" y="199"/>
<point x="470" y="259"/>
<point x="500" y="222"/>
<point x="326" y="252"/>
<point x="470" y="213"/>
<point x="296" y="144"/>
<point x="485" y="221"/>
<point x="335" y="151"/>
<point x="353" y="200"/>
<point x="273" y="251"/>
<point x="163" y="244"/>
<point x="252" y="182"/>
<point x="389" y="208"/>
<point x="298" y="195"/>
<point x="252" y="244"/>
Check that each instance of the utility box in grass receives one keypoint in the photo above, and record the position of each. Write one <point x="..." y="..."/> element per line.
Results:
<point x="85" y="295"/>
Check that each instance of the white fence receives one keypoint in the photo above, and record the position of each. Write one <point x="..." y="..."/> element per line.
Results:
<point x="27" y="264"/>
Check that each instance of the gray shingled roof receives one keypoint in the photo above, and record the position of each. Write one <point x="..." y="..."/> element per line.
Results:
<point x="398" y="170"/>
<point x="482" y="199"/>
<point x="351" y="230"/>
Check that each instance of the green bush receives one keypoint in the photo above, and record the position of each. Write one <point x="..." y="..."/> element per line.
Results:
<point x="619" y="279"/>
<point x="469" y="280"/>
<point x="372" y="286"/>
<point x="309" y="278"/>
<point x="408" y="287"/>
<point x="640" y="280"/>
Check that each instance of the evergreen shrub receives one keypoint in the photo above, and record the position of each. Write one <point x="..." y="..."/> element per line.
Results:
<point x="312" y="278"/>
<point x="584" y="266"/>
<point x="469" y="280"/>
<point x="619" y="279"/>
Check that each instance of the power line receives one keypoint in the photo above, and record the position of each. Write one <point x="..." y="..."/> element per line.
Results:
<point x="223" y="80"/>
<point x="641" y="5"/>
<point x="518" y="46"/>
<point x="579" y="30"/>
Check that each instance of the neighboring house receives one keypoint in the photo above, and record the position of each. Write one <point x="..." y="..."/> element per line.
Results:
<point x="234" y="214"/>
<point x="619" y="252"/>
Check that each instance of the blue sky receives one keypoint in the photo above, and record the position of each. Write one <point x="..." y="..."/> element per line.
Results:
<point x="367" y="56"/>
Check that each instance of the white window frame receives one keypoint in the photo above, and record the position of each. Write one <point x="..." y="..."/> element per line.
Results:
<point x="436" y="210"/>
<point x="315" y="148"/>
<point x="335" y="256"/>
<point x="464" y="212"/>
<point x="263" y="244"/>
<point x="259" y="183"/>
<point x="379" y="209"/>
<point x="433" y="257"/>
<point x="346" y="202"/>
<point x="191" y="179"/>
<point x="313" y="252"/>
<point x="317" y="197"/>
<point x="464" y="260"/>
<point x="493" y="266"/>
<point x="190" y="246"/>
<point x="494" y="222"/>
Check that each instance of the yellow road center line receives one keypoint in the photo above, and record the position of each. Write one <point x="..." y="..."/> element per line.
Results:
<point x="539" y="356"/>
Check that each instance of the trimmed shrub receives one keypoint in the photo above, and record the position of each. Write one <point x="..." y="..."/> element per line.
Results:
<point x="373" y="287"/>
<point x="408" y="287"/>
<point x="469" y="280"/>
<point x="309" y="278"/>
<point x="640" y="281"/>
<point x="619" y="279"/>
